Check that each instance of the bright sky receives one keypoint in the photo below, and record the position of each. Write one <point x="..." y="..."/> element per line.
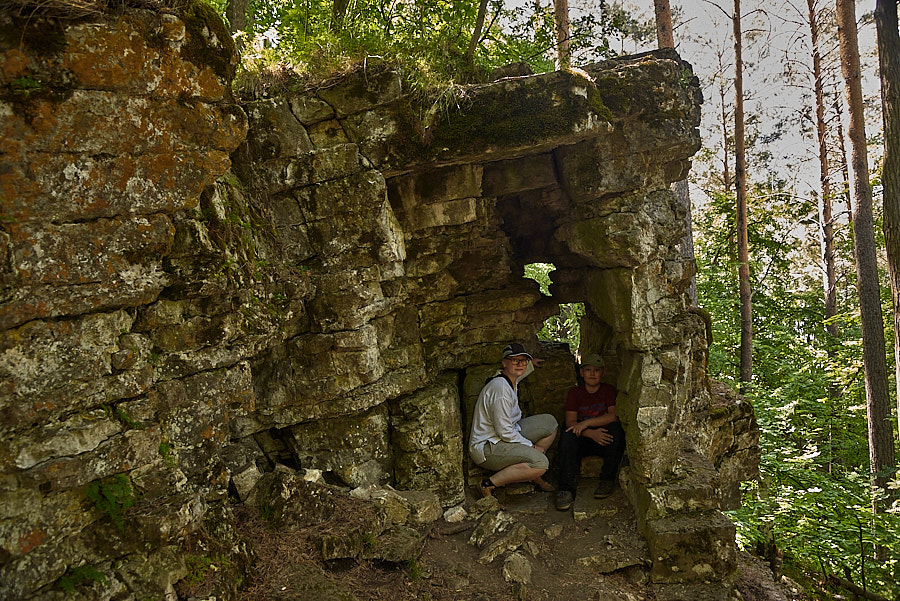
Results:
<point x="776" y="34"/>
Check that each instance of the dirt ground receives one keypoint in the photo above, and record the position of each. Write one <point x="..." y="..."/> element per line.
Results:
<point x="590" y="552"/>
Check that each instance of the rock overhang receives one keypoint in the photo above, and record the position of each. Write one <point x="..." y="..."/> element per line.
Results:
<point x="356" y="271"/>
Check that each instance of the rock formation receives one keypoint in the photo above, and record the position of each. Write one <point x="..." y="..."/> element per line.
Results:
<point x="193" y="292"/>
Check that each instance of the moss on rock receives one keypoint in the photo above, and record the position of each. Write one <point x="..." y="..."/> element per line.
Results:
<point x="206" y="30"/>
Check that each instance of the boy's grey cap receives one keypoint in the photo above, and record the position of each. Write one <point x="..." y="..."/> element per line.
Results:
<point x="592" y="359"/>
<point x="514" y="350"/>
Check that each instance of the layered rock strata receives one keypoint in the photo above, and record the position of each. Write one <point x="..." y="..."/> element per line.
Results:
<point x="193" y="292"/>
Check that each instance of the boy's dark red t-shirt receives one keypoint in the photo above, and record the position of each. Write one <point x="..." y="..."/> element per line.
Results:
<point x="588" y="404"/>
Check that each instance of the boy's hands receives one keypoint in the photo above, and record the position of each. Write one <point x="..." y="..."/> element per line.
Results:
<point x="598" y="435"/>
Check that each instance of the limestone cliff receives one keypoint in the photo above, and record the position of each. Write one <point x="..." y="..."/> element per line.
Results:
<point x="193" y="291"/>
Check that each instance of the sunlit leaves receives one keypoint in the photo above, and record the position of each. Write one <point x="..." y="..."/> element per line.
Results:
<point x="808" y="392"/>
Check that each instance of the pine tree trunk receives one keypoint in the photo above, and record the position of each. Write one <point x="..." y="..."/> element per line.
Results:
<point x="236" y="13"/>
<point x="881" y="446"/>
<point x="824" y="177"/>
<point x="563" y="50"/>
<point x="743" y="243"/>
<point x="889" y="60"/>
<point x="665" y="38"/>
<point x="842" y="152"/>
<point x="827" y="218"/>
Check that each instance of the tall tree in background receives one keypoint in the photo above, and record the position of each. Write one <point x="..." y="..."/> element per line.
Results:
<point x="743" y="242"/>
<point x="830" y="281"/>
<point x="338" y="10"/>
<point x="886" y="27"/>
<point x="236" y="14"/>
<point x="563" y="38"/>
<point x="665" y="38"/>
<point x="881" y="444"/>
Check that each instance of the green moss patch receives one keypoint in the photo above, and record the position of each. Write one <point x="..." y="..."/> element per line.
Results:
<point x="202" y="23"/>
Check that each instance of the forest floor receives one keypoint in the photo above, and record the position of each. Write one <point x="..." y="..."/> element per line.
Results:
<point x="592" y="552"/>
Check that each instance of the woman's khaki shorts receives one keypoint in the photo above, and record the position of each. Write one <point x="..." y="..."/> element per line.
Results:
<point x="499" y="455"/>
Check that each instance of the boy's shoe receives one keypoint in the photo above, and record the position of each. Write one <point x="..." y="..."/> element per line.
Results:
<point x="604" y="489"/>
<point x="564" y="499"/>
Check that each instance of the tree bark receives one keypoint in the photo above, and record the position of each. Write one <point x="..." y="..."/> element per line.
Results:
<point x="743" y="242"/>
<point x="726" y="169"/>
<point x="476" y="33"/>
<point x="665" y="38"/>
<point x="563" y="46"/>
<point x="338" y="10"/>
<point x="881" y="447"/>
<point x="842" y="152"/>
<point x="236" y="13"/>
<point x="830" y="281"/>
<point x="886" y="27"/>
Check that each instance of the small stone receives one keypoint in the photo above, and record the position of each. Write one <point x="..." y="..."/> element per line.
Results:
<point x="311" y="475"/>
<point x="424" y="506"/>
<point x="456" y="582"/>
<point x="517" y="568"/>
<point x="484" y="505"/>
<point x="489" y="525"/>
<point x="455" y="514"/>
<point x="509" y="542"/>
<point x="553" y="531"/>
<point x="245" y="480"/>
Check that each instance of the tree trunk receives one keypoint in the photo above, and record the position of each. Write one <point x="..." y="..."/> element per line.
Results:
<point x="338" y="10"/>
<point x="830" y="281"/>
<point x="665" y="38"/>
<point x="476" y="34"/>
<point x="889" y="60"/>
<point x="561" y="12"/>
<point x="236" y="13"/>
<point x="743" y="242"/>
<point x="842" y="152"/>
<point x="881" y="446"/>
<point x="726" y="169"/>
<point x="826" y="218"/>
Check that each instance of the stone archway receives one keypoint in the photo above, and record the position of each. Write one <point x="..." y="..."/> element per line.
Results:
<point x="598" y="207"/>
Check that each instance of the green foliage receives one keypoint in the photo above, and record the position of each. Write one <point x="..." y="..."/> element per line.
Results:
<point x="414" y="570"/>
<point x="565" y="326"/>
<point x="429" y="39"/>
<point x="199" y="566"/>
<point x="807" y="390"/>
<point x="268" y="514"/>
<point x="112" y="496"/>
<point x="78" y="576"/>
